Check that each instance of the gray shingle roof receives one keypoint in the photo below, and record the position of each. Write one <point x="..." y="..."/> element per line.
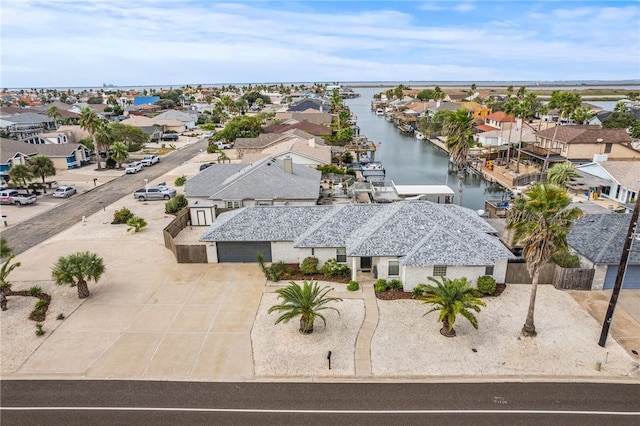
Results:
<point x="600" y="238"/>
<point x="418" y="232"/>
<point x="265" y="180"/>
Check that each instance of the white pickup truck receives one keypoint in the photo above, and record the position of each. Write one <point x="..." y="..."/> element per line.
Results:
<point x="12" y="196"/>
<point x="150" y="160"/>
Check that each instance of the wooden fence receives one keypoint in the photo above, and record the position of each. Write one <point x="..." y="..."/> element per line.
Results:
<point x="184" y="253"/>
<point x="528" y="178"/>
<point x="572" y="278"/>
<point x="517" y="273"/>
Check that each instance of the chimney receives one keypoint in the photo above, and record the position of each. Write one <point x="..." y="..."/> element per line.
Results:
<point x="288" y="164"/>
<point x="438" y="103"/>
<point x="312" y="142"/>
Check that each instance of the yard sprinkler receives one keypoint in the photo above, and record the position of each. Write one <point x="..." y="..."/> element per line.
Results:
<point x="329" y="359"/>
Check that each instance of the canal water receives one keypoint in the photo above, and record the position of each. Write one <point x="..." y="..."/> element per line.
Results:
<point x="409" y="161"/>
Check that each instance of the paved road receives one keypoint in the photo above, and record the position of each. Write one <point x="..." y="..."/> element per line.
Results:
<point x="144" y="402"/>
<point x="32" y="232"/>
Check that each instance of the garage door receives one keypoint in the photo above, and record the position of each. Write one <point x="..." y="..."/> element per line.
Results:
<point x="631" y="278"/>
<point x="243" y="251"/>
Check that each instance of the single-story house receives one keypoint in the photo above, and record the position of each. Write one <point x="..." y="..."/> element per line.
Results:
<point x="598" y="240"/>
<point x="305" y="126"/>
<point x="408" y="240"/>
<point x="263" y="141"/>
<point x="623" y="177"/>
<point x="64" y="156"/>
<point x="263" y="183"/>
<point x="189" y="118"/>
<point x="303" y="152"/>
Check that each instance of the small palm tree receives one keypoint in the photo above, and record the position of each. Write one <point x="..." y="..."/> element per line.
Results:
<point x="136" y="223"/>
<point x="306" y="302"/>
<point x="452" y="298"/>
<point x="119" y="152"/>
<point x="76" y="269"/>
<point x="42" y="166"/>
<point x="5" y="285"/>
<point x="541" y="221"/>
<point x="560" y="174"/>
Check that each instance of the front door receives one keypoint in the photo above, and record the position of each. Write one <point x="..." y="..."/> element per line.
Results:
<point x="365" y="263"/>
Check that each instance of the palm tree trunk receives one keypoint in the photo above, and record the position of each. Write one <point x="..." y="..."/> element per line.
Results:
<point x="509" y="148"/>
<point x="519" y="148"/>
<point x="83" y="289"/>
<point x="460" y="184"/>
<point x="529" y="329"/>
<point x="445" y="331"/>
<point x="97" y="148"/>
<point x="304" y="327"/>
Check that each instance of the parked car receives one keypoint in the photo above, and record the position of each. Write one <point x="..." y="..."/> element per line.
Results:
<point x="11" y="196"/>
<point x="158" y="192"/>
<point x="134" y="167"/>
<point x="170" y="137"/>
<point x="64" y="191"/>
<point x="224" y="145"/>
<point x="205" y="165"/>
<point x="150" y="160"/>
<point x="207" y="135"/>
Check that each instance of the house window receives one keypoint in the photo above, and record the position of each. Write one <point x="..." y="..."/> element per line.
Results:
<point x="341" y="255"/>
<point x="394" y="268"/>
<point x="607" y="148"/>
<point x="313" y="251"/>
<point x="233" y="204"/>
<point x="439" y="270"/>
<point x="564" y="147"/>
<point x="264" y="202"/>
<point x="488" y="270"/>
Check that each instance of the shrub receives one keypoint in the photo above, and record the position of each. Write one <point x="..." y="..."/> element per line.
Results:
<point x="40" y="303"/>
<point x="566" y="260"/>
<point x="35" y="291"/>
<point x="39" y="330"/>
<point x="309" y="265"/>
<point x="381" y="285"/>
<point x="122" y="216"/>
<point x="353" y="285"/>
<point x="110" y="163"/>
<point x="396" y="285"/>
<point x="136" y="223"/>
<point x="486" y="284"/>
<point x="176" y="204"/>
<point x="60" y="317"/>
<point x="332" y="268"/>
<point x="180" y="181"/>
<point x="275" y="272"/>
<point x="420" y="291"/>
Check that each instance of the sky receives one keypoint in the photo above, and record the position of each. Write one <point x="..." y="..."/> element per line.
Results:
<point x="75" y="43"/>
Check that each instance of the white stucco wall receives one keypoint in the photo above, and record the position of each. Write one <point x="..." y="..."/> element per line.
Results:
<point x="598" y="277"/>
<point x="284" y="251"/>
<point x="412" y="276"/>
<point x="500" y="270"/>
<point x="212" y="253"/>
<point x="209" y="215"/>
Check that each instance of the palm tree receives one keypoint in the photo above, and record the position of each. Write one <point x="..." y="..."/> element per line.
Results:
<point x="5" y="285"/>
<point x="458" y="127"/>
<point x="582" y="114"/>
<point x="306" y="301"/>
<point x="20" y="174"/>
<point x="452" y="298"/>
<point x="541" y="220"/>
<point x="104" y="137"/>
<point x="119" y="152"/>
<point x="565" y="103"/>
<point x="561" y="173"/>
<point x="42" y="166"/>
<point x="5" y="250"/>
<point x="52" y="112"/>
<point x="77" y="268"/>
<point x="136" y="223"/>
<point x="90" y="122"/>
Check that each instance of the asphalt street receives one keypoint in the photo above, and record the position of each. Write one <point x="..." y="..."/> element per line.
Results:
<point x="32" y="232"/>
<point x="172" y="403"/>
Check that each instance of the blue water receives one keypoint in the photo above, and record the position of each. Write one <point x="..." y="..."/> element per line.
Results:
<point x="411" y="162"/>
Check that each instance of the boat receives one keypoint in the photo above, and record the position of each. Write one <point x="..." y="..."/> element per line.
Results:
<point x="405" y="128"/>
<point x="419" y="135"/>
<point x="379" y="111"/>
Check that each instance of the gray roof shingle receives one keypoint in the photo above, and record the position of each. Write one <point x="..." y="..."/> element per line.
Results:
<point x="600" y="238"/>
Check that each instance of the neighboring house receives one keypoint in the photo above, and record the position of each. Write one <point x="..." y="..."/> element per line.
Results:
<point x="598" y="240"/>
<point x="434" y="106"/>
<point x="189" y="119"/>
<point x="305" y="126"/>
<point x="64" y="156"/>
<point x="145" y="100"/>
<point x="476" y="109"/>
<point x="580" y="144"/>
<point x="146" y="122"/>
<point x="301" y="151"/>
<point x="263" y="141"/>
<point x="510" y="134"/>
<point x="314" y="104"/>
<point x="312" y="116"/>
<point x="624" y="178"/>
<point x="496" y="121"/>
<point x="597" y="119"/>
<point x="408" y="240"/>
<point x="267" y="182"/>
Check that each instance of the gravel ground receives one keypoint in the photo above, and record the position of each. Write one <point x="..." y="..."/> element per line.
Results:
<point x="17" y="332"/>
<point x="406" y="343"/>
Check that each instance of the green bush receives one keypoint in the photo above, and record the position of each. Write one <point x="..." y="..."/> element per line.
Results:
<point x="176" y="204"/>
<point x="420" y="291"/>
<point x="353" y="285"/>
<point x="35" y="291"/>
<point x="40" y="304"/>
<point x="180" y="181"/>
<point x="396" y="285"/>
<point x="39" y="330"/>
<point x="276" y="271"/>
<point x="332" y="268"/>
<point x="122" y="216"/>
<point x="566" y="260"/>
<point x="309" y="265"/>
<point x="110" y="163"/>
<point x="486" y="284"/>
<point x="381" y="285"/>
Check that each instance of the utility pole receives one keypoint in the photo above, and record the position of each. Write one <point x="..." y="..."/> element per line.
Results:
<point x="621" y="271"/>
